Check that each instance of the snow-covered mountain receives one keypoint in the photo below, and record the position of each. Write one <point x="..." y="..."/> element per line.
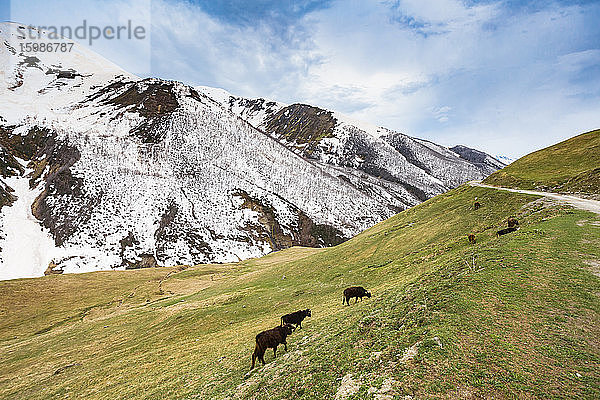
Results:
<point x="416" y="169"/>
<point x="504" y="159"/>
<point x="479" y="158"/>
<point x="101" y="169"/>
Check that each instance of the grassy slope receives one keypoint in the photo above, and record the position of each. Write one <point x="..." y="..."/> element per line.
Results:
<point x="569" y="166"/>
<point x="522" y="321"/>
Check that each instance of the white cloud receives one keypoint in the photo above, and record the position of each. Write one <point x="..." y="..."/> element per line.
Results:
<point x="505" y="81"/>
<point x="247" y="60"/>
<point x="441" y="113"/>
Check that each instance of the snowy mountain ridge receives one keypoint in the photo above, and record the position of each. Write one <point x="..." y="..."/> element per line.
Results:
<point x="333" y="138"/>
<point x="101" y="169"/>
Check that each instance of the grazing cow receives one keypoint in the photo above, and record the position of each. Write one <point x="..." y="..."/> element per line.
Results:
<point x="295" y="318"/>
<point x="477" y="205"/>
<point x="270" y="340"/>
<point x="512" y="222"/>
<point x="471" y="238"/>
<point x="355" y="291"/>
<point x="505" y="231"/>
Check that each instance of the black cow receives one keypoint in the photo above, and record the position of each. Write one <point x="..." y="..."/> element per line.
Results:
<point x="471" y="237"/>
<point x="295" y="318"/>
<point x="355" y="291"/>
<point x="270" y="340"/>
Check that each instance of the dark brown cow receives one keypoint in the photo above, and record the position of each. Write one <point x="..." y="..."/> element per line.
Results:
<point x="295" y="318"/>
<point x="270" y="340"/>
<point x="355" y="291"/>
<point x="512" y="222"/>
<point x="477" y="205"/>
<point x="471" y="238"/>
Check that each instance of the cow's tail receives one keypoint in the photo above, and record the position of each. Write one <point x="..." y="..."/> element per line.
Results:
<point x="343" y="299"/>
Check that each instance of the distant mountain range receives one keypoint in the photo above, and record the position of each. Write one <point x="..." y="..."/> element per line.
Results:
<point x="102" y="169"/>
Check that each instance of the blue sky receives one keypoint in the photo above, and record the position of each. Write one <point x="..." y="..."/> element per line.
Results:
<point x="507" y="77"/>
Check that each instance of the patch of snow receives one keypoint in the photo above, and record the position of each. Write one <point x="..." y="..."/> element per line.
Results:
<point x="27" y="248"/>
<point x="220" y="95"/>
<point x="370" y="129"/>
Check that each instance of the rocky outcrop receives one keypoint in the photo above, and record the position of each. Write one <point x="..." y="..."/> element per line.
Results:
<point x="143" y="261"/>
<point x="302" y="125"/>
<point x="152" y="99"/>
<point x="6" y="196"/>
<point x="53" y="269"/>
<point x="304" y="233"/>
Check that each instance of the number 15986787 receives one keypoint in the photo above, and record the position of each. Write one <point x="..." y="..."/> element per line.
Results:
<point x="46" y="47"/>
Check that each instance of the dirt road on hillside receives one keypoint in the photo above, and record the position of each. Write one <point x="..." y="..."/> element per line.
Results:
<point x="577" y="202"/>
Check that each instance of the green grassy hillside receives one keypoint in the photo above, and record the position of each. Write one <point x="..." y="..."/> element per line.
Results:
<point x="572" y="166"/>
<point x="510" y="317"/>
